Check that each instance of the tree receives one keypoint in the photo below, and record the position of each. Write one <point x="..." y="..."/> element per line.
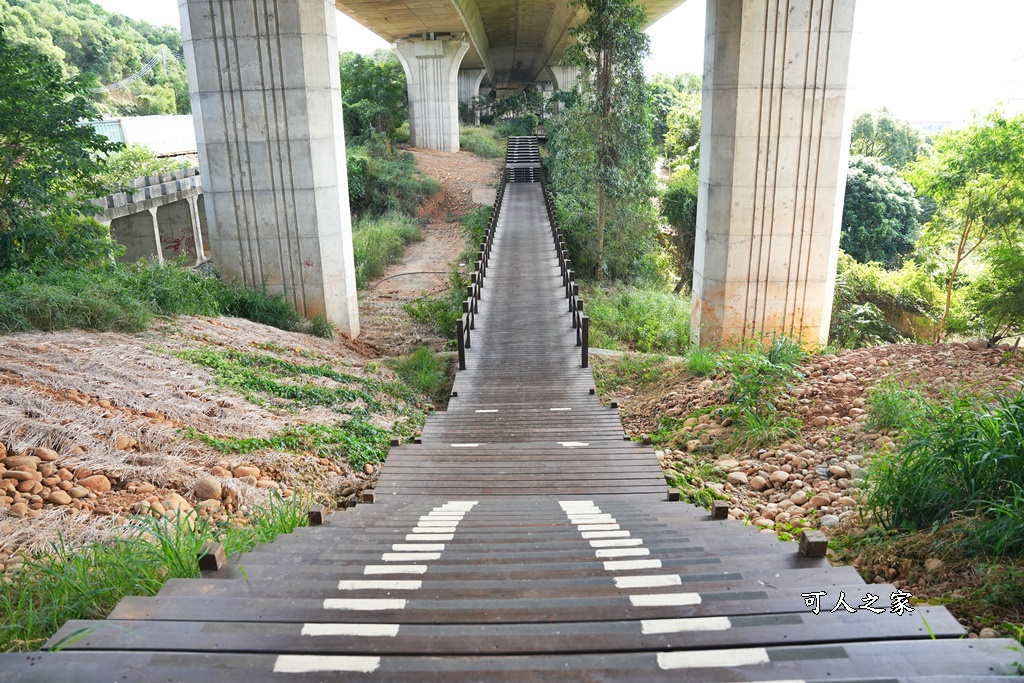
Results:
<point x="374" y="90"/>
<point x="893" y="141"/>
<point x="679" y="208"/>
<point x="668" y="92"/>
<point x="49" y="165"/>
<point x="602" y="155"/>
<point x="880" y="213"/>
<point x="997" y="295"/>
<point x="976" y="178"/>
<point x="682" y="142"/>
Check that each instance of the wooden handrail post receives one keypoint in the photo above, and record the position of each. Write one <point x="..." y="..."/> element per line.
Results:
<point x="460" y="336"/>
<point x="585" y="325"/>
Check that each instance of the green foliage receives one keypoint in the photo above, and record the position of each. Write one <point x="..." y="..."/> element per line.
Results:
<point x="380" y="241"/>
<point x="135" y="161"/>
<point x="440" y="312"/>
<point x="475" y="222"/>
<point x="976" y="178"/>
<point x="632" y="369"/>
<point x="857" y="322"/>
<point x="483" y="141"/>
<point x="517" y="127"/>
<point x="892" y="405"/>
<point x="961" y="463"/>
<point x="374" y="93"/>
<point x="428" y="373"/>
<point x="48" y="164"/>
<point x="691" y="478"/>
<point x="355" y="441"/>
<point x="682" y="140"/>
<point x="667" y="93"/>
<point x="601" y="155"/>
<point x="520" y="105"/>
<point x="701" y="362"/>
<point x="761" y="375"/>
<point x="996" y="296"/>
<point x="381" y="181"/>
<point x="645" y="319"/>
<point x="261" y="307"/>
<point x="86" y="583"/>
<point x="679" y="209"/>
<point x="87" y="39"/>
<point x="880" y="214"/>
<point x="892" y="141"/>
<point x="752" y="429"/>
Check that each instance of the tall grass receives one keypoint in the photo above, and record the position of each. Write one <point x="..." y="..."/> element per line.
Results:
<point x="482" y="141"/>
<point x="125" y="298"/>
<point x="379" y="241"/>
<point x="428" y="373"/>
<point x="86" y="583"/>
<point x="892" y="405"/>
<point x="635" y="318"/>
<point x="381" y="181"/>
<point x="963" y="461"/>
<point x="701" y="362"/>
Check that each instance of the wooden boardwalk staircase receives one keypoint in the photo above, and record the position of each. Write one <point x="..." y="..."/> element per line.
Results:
<point x="522" y="540"/>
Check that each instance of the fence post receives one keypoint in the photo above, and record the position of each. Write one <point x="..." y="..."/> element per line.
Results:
<point x="460" y="336"/>
<point x="585" y="325"/>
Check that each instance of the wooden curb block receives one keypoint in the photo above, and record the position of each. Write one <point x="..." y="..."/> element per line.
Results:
<point x="211" y="557"/>
<point x="720" y="509"/>
<point x="813" y="543"/>
<point x="315" y="515"/>
<point x="369" y="496"/>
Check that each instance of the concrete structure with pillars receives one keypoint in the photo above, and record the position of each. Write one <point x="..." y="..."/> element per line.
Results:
<point x="266" y="96"/>
<point x="469" y="87"/>
<point x="432" y="73"/>
<point x="772" y="169"/>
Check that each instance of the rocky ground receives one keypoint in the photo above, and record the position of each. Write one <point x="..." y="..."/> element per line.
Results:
<point x="815" y="480"/>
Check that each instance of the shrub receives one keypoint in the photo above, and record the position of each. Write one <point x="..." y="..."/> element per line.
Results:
<point x="891" y="405"/>
<point x="382" y="181"/>
<point x="380" y="241"/>
<point x="482" y="141"/>
<point x="753" y="429"/>
<point x="441" y="311"/>
<point x="644" y="319"/>
<point x="135" y="161"/>
<point x="701" y="362"/>
<point x="428" y="373"/>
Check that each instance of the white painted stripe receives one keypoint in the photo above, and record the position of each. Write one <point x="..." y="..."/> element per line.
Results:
<point x="653" y="581"/>
<point x="579" y="512"/>
<point x="465" y="445"/>
<point x="429" y="537"/>
<point x="364" y="604"/>
<point x="706" y="659"/>
<point x="650" y="626"/>
<point x="622" y="552"/>
<point x="434" y="529"/>
<point x="358" y="585"/>
<point x="559" y="409"/>
<point x="621" y="565"/>
<point x="444" y="514"/>
<point x="460" y="504"/>
<point x="592" y="519"/>
<point x="417" y="547"/>
<point x="375" y="569"/>
<point x="410" y="557"/>
<point x="575" y="503"/>
<point x="605" y="534"/>
<point x="426" y="521"/>
<point x="664" y="600"/>
<point x="597" y="527"/>
<point x="573" y="444"/>
<point x="617" y="543"/>
<point x="298" y="664"/>
<point x="489" y="410"/>
<point x="369" y="630"/>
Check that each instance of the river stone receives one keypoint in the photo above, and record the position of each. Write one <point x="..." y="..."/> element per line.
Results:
<point x="77" y="492"/>
<point x="97" y="483"/>
<point x="799" y="498"/>
<point x="45" y="454"/>
<point x="759" y="483"/>
<point x="819" y="501"/>
<point x="207" y="488"/>
<point x="247" y="471"/>
<point x="779" y="477"/>
<point x="58" y="498"/>
<point x="737" y="478"/>
<point x="829" y="521"/>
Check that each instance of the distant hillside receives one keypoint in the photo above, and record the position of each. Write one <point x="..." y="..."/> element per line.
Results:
<point x="113" y="47"/>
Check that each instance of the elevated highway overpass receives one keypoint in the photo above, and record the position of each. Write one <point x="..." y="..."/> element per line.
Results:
<point x="266" y="96"/>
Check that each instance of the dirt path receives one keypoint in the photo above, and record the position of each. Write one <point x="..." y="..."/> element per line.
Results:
<point x="425" y="267"/>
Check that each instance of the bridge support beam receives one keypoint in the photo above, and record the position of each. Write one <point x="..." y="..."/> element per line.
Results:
<point x="266" y="99"/>
<point x="772" y="168"/>
<point x="566" y="76"/>
<point x="431" y="72"/>
<point x="469" y="87"/>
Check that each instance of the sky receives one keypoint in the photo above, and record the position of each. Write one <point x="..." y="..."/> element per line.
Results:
<point x="926" y="60"/>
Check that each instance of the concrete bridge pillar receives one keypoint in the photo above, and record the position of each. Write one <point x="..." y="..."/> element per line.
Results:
<point x="197" y="228"/>
<point x="431" y="72"/>
<point x="266" y="100"/>
<point x="469" y="87"/>
<point x="772" y="168"/>
<point x="566" y="76"/>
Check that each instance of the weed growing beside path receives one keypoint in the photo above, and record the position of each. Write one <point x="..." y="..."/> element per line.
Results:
<point x="635" y="318"/>
<point x="379" y="241"/>
<point x="482" y="140"/>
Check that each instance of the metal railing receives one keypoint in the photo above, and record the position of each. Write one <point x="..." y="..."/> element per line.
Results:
<point x="474" y="290"/>
<point x="580" y="321"/>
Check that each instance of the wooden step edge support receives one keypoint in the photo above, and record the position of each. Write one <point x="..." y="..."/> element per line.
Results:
<point x="672" y="494"/>
<point x="211" y="557"/>
<point x="719" y="509"/>
<point x="369" y="496"/>
<point x="813" y="543"/>
<point x="645" y="439"/>
<point x="315" y="515"/>
<point x="396" y="442"/>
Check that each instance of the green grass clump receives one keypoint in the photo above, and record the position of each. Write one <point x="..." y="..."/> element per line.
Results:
<point x="428" y="373"/>
<point x="753" y="429"/>
<point x="701" y="362"/>
<point x="647" y="320"/>
<point x="962" y="462"/>
<point x="482" y="141"/>
<point x="892" y="405"/>
<point x="378" y="241"/>
<point x="86" y="583"/>
<point x="691" y="478"/>
<point x="475" y="222"/>
<point x="440" y="312"/>
<point x="126" y="297"/>
<point x="633" y="369"/>
<point x="382" y="181"/>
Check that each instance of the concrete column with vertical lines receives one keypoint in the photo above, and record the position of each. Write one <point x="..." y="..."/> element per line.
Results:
<point x="772" y="169"/>
<point x="431" y="72"/>
<point x="266" y="101"/>
<point x="469" y="87"/>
